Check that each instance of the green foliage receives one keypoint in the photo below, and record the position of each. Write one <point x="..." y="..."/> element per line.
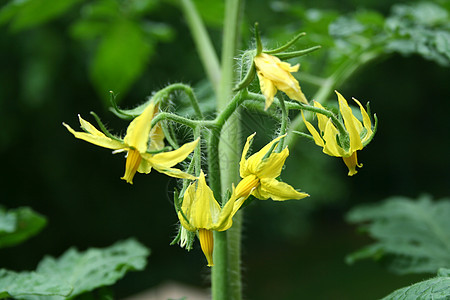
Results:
<point x="21" y="285"/>
<point x="437" y="288"/>
<point x="351" y="41"/>
<point x="26" y="14"/>
<point x="18" y="225"/>
<point x="120" y="58"/>
<point x="124" y="41"/>
<point x="119" y="37"/>
<point x="75" y="272"/>
<point x="422" y="29"/>
<point x="413" y="234"/>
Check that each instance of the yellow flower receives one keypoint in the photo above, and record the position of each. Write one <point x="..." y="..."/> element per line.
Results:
<point x="201" y="212"/>
<point x="259" y="173"/>
<point x="136" y="143"/>
<point x="276" y="75"/>
<point x="359" y="134"/>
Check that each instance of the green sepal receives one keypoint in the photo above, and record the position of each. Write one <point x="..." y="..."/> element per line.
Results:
<point x="287" y="45"/>
<point x="259" y="47"/>
<point x="103" y="127"/>
<point x="177" y="238"/>
<point x="374" y="130"/>
<point x="190" y="240"/>
<point x="305" y="135"/>
<point x="126" y="114"/>
<point x="288" y="55"/>
<point x="269" y="152"/>
<point x="247" y="79"/>
<point x="160" y="150"/>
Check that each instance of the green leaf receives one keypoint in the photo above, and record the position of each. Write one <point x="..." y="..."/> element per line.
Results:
<point x="437" y="288"/>
<point x="422" y="28"/>
<point x="212" y="12"/>
<point x="20" y="285"/>
<point x="75" y="271"/>
<point x="25" y="14"/>
<point x="121" y="57"/>
<point x="17" y="225"/>
<point x="413" y="234"/>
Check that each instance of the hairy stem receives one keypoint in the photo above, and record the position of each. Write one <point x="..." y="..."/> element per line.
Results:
<point x="226" y="281"/>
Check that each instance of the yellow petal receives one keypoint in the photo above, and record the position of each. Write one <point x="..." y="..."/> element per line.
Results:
<point x="352" y="124"/>
<point x="207" y="244"/>
<point x="186" y="225"/>
<point x="131" y="166"/>
<point x="96" y="138"/>
<point x="272" y="166"/>
<point x="156" y="137"/>
<point x="287" y="66"/>
<point x="225" y="220"/>
<point x="279" y="74"/>
<point x="366" y="121"/>
<point x="316" y="136"/>
<point x="270" y="67"/>
<point x="145" y="166"/>
<point x="260" y="193"/>
<point x="267" y="88"/>
<point x="173" y="172"/>
<point x="246" y="186"/>
<point x="331" y="146"/>
<point x="352" y="162"/>
<point x="171" y="158"/>
<point x="243" y="170"/>
<point x="280" y="191"/>
<point x="292" y="88"/>
<point x="138" y="131"/>
<point x="188" y="204"/>
<point x="322" y="119"/>
<point x="254" y="160"/>
<point x="205" y="209"/>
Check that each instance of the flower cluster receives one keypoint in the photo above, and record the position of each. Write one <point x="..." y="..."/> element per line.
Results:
<point x="344" y="143"/>
<point x="274" y="75"/>
<point x="198" y="211"/>
<point x="139" y="143"/>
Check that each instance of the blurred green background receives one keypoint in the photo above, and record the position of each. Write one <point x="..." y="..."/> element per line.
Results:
<point x="64" y="62"/>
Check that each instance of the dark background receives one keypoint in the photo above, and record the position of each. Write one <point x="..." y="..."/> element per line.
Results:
<point x="289" y="249"/>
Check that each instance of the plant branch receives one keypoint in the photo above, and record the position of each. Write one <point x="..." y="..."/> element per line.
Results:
<point x="202" y="42"/>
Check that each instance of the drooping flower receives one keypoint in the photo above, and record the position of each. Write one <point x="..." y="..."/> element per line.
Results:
<point x="139" y="139"/>
<point x="334" y="143"/>
<point x="273" y="75"/>
<point x="259" y="173"/>
<point x="200" y="212"/>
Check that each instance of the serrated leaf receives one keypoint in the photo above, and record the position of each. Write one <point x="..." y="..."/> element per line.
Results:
<point x="18" y="225"/>
<point x="80" y="271"/>
<point x="437" y="288"/>
<point x="96" y="267"/>
<point x="414" y="233"/>
<point x="120" y="58"/>
<point x="26" y="14"/>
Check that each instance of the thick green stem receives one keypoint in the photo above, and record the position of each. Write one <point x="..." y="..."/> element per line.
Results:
<point x="202" y="42"/>
<point x="226" y="273"/>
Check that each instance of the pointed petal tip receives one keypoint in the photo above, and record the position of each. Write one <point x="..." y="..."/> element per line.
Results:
<point x="126" y="179"/>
